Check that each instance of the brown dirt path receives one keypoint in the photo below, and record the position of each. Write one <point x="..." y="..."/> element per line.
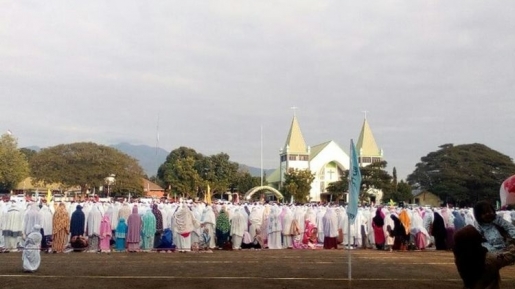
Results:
<point x="284" y="269"/>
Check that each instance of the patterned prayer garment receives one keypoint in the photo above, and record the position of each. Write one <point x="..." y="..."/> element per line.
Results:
<point x="60" y="229"/>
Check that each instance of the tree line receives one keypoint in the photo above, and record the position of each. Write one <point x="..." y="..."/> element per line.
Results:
<point x="461" y="174"/>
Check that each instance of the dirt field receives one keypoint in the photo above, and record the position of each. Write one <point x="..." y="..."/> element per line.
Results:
<point x="284" y="269"/>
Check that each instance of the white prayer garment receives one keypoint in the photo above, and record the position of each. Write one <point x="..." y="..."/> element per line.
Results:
<point x="31" y="256"/>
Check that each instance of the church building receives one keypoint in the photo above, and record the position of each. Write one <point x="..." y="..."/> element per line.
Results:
<point x="327" y="161"/>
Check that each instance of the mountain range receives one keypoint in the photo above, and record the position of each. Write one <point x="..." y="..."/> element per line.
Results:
<point x="150" y="158"/>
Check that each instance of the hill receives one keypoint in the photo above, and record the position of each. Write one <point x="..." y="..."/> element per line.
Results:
<point x="256" y="172"/>
<point x="149" y="158"/>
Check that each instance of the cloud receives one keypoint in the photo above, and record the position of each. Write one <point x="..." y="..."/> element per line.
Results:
<point x="428" y="73"/>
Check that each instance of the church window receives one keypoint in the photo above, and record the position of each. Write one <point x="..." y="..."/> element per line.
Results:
<point x="292" y="157"/>
<point x="303" y="158"/>
<point x="376" y="160"/>
<point x="283" y="158"/>
<point x="366" y="160"/>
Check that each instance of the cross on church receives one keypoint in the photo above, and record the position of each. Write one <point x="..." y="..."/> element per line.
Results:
<point x="330" y="172"/>
<point x="365" y="112"/>
<point x="294" y="108"/>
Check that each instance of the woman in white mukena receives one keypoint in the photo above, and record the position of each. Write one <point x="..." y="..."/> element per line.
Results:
<point x="31" y="252"/>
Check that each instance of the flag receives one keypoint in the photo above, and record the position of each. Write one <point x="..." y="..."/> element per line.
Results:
<point x="208" y="193"/>
<point x="48" y="196"/>
<point x="354" y="184"/>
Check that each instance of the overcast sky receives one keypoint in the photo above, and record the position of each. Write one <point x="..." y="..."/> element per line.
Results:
<point x="215" y="72"/>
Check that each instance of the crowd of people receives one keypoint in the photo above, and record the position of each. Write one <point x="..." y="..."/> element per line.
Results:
<point x="197" y="227"/>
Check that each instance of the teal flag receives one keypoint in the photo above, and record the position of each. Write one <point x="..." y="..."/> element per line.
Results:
<point x="354" y="184"/>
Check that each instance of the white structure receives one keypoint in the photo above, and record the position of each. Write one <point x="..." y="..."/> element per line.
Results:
<point x="327" y="161"/>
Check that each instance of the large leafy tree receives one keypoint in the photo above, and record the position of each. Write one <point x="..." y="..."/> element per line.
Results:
<point x="463" y="174"/>
<point x="184" y="179"/>
<point x="190" y="178"/>
<point x="339" y="188"/>
<point x="244" y="181"/>
<point x="29" y="153"/>
<point x="87" y="165"/>
<point x="167" y="174"/>
<point x="375" y="176"/>
<point x="400" y="193"/>
<point x="219" y="172"/>
<point x="297" y="183"/>
<point x="13" y="163"/>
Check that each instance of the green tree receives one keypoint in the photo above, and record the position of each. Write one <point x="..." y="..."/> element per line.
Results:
<point x="402" y="192"/>
<point x="219" y="171"/>
<point x="216" y="170"/>
<point x="29" y="153"/>
<point x="339" y="188"/>
<point x="244" y="181"/>
<point x="86" y="165"/>
<point x="13" y="163"/>
<point x="167" y="174"/>
<point x="297" y="183"/>
<point x="374" y="176"/>
<point x="463" y="174"/>
<point x="183" y="177"/>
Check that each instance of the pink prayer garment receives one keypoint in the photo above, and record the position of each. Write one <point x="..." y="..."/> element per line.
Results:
<point x="105" y="234"/>
<point x="507" y="191"/>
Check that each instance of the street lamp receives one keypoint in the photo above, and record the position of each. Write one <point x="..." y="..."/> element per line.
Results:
<point x="109" y="181"/>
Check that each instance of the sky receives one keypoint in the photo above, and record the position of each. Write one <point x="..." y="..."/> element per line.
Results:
<point x="222" y="76"/>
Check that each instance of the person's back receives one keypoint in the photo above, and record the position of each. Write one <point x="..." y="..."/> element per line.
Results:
<point x="31" y="252"/>
<point x="77" y="222"/>
<point x="478" y="268"/>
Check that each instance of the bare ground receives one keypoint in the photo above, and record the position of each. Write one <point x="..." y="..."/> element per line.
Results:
<point x="284" y="269"/>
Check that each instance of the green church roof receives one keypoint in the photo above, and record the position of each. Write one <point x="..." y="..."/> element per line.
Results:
<point x="315" y="150"/>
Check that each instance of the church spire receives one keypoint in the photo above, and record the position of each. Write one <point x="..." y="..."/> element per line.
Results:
<point x="366" y="146"/>
<point x="295" y="141"/>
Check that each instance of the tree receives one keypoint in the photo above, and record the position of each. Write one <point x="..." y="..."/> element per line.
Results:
<point x="167" y="174"/>
<point x="244" y="181"/>
<point x="463" y="174"/>
<point x="297" y="183"/>
<point x="29" y="153"/>
<point x="86" y="165"/>
<point x="374" y="176"/>
<point x="183" y="177"/>
<point x="402" y="193"/>
<point x="13" y="163"/>
<point x="340" y="187"/>
<point x="216" y="170"/>
<point x="219" y="171"/>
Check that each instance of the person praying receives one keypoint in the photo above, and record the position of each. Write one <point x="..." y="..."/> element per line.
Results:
<point x="31" y="255"/>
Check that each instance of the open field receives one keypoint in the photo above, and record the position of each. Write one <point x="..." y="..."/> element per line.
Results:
<point x="285" y="269"/>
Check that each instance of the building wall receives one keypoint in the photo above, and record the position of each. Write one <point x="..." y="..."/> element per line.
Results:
<point x="331" y="153"/>
<point x="154" y="194"/>
<point x="427" y="199"/>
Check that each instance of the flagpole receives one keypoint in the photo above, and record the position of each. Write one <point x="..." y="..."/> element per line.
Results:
<point x="348" y="219"/>
<point x="261" y="158"/>
<point x="354" y="189"/>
